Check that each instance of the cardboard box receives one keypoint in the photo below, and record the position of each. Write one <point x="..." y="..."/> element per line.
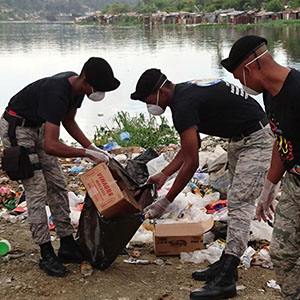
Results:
<point x="108" y="192"/>
<point x="171" y="239"/>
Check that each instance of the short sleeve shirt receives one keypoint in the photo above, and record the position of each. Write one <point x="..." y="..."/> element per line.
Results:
<point x="214" y="107"/>
<point x="47" y="99"/>
<point x="282" y="111"/>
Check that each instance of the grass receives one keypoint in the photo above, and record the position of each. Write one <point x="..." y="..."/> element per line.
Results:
<point x="144" y="131"/>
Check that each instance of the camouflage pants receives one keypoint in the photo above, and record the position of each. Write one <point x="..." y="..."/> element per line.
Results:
<point x="285" y="245"/>
<point x="249" y="161"/>
<point x="47" y="186"/>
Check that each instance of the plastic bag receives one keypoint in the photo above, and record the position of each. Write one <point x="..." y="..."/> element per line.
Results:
<point x="101" y="240"/>
<point x="137" y="167"/>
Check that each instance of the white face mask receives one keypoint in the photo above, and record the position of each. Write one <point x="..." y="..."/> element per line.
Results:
<point x="155" y="109"/>
<point x="247" y="89"/>
<point x="250" y="91"/>
<point x="96" y="96"/>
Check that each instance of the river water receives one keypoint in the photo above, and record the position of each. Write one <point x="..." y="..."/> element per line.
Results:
<point x="31" y="51"/>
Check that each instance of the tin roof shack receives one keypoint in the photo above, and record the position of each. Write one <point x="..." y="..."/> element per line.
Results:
<point x="170" y="19"/>
<point x="289" y="14"/>
<point x="240" y="17"/>
<point x="295" y="15"/>
<point x="265" y="16"/>
<point x="210" y="17"/>
<point x="147" y="20"/>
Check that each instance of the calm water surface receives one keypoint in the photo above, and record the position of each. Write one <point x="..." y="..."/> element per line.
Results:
<point x="32" y="51"/>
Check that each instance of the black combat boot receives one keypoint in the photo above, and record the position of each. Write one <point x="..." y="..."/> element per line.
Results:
<point x="69" y="251"/>
<point x="223" y="285"/>
<point x="49" y="261"/>
<point x="211" y="271"/>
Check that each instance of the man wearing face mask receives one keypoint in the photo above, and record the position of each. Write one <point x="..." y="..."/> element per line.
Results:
<point x="217" y="108"/>
<point x="251" y="63"/>
<point x="31" y="125"/>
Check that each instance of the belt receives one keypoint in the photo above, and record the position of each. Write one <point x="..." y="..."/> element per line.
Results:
<point x="255" y="127"/>
<point x="11" y="116"/>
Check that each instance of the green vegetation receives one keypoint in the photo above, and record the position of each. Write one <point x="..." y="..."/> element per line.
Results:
<point x="275" y="23"/>
<point x="144" y="131"/>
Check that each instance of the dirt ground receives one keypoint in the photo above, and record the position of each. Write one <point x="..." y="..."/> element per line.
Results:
<point x="21" y="278"/>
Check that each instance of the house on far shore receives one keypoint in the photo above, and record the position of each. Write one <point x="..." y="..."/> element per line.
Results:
<point x="265" y="16"/>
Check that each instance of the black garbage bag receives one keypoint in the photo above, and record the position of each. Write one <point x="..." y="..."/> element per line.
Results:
<point x="137" y="167"/>
<point x="101" y="240"/>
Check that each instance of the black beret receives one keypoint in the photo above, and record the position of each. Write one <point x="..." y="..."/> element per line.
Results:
<point x="242" y="49"/>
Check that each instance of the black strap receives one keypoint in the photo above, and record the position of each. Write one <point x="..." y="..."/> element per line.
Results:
<point x="12" y="131"/>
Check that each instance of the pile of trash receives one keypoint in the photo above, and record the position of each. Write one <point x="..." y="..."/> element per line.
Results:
<point x="203" y="197"/>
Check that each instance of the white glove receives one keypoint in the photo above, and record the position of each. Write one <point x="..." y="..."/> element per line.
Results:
<point x="96" y="156"/>
<point x="95" y="148"/>
<point x="159" y="179"/>
<point x="157" y="209"/>
<point x="268" y="194"/>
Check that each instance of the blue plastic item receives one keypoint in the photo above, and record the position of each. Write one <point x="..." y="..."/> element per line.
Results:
<point x="124" y="136"/>
<point x="76" y="169"/>
<point x="111" y="146"/>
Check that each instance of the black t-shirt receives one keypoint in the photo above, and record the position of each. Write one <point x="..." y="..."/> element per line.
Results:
<point x="282" y="111"/>
<point x="216" y="108"/>
<point x="47" y="99"/>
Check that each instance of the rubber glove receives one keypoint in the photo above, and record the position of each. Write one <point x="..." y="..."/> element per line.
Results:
<point x="159" y="179"/>
<point x="265" y="206"/>
<point x="157" y="208"/>
<point x="96" y="156"/>
<point x="95" y="148"/>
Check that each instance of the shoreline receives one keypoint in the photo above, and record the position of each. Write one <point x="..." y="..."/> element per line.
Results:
<point x="275" y="23"/>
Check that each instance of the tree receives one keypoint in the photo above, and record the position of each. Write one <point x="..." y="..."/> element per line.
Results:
<point x="275" y="5"/>
<point x="294" y="4"/>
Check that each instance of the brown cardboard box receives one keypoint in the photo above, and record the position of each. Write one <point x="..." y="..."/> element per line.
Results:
<point x="109" y="194"/>
<point x="171" y="239"/>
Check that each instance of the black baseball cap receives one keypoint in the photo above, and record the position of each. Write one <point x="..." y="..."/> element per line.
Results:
<point x="99" y="75"/>
<point x="242" y="49"/>
<point x="147" y="84"/>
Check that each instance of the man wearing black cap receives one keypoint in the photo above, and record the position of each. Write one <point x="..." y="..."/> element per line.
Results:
<point x="251" y="63"/>
<point x="218" y="108"/>
<point x="29" y="130"/>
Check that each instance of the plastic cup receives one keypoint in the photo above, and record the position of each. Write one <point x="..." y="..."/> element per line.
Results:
<point x="5" y="247"/>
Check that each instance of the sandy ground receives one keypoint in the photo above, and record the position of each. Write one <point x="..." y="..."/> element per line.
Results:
<point x="21" y="278"/>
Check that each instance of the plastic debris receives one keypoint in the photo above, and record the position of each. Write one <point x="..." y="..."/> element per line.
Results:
<point x="76" y="169"/>
<point x="124" y="136"/>
<point x="86" y="269"/>
<point x="247" y="257"/>
<point x="272" y="284"/>
<point x="211" y="254"/>
<point x="111" y="146"/>
<point x="132" y="260"/>
<point x="260" y="231"/>
<point x="264" y="258"/>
